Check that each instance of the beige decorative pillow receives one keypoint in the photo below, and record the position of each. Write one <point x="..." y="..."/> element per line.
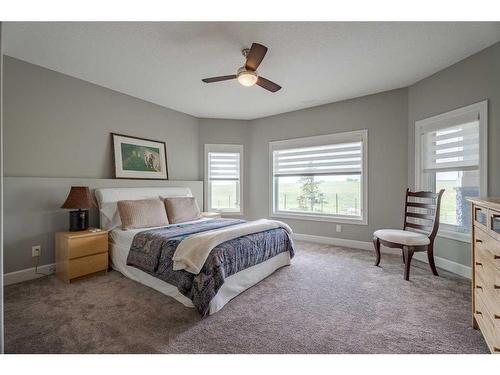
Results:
<point x="143" y="213"/>
<point x="181" y="209"/>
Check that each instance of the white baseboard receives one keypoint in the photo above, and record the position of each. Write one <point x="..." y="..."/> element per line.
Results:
<point x="334" y="241"/>
<point x="445" y="264"/>
<point x="448" y="265"/>
<point x="28" y="274"/>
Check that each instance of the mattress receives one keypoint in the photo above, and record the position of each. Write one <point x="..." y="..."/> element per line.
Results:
<point x="120" y="242"/>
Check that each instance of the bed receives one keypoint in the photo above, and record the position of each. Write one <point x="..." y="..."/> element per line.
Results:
<point x="273" y="249"/>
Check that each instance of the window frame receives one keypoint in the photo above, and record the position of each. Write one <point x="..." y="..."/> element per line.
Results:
<point x="234" y="148"/>
<point x="326" y="139"/>
<point x="424" y="181"/>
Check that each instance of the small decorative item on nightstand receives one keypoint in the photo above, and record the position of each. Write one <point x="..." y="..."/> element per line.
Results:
<point x="81" y="253"/>
<point x="212" y="215"/>
<point x="79" y="198"/>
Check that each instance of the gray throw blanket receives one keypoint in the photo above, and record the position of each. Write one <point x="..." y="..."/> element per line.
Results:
<point x="152" y="251"/>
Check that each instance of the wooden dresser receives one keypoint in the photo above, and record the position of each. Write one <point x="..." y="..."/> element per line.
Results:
<point x="486" y="270"/>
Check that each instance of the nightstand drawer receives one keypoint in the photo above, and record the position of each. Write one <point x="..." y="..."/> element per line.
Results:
<point x="87" y="265"/>
<point x="83" y="246"/>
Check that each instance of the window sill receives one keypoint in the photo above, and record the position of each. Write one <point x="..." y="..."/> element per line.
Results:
<point x="453" y="235"/>
<point x="328" y="219"/>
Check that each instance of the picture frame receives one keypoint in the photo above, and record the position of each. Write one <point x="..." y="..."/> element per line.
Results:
<point x="139" y="158"/>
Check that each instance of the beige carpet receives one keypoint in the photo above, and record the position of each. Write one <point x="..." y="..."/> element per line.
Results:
<point x="330" y="300"/>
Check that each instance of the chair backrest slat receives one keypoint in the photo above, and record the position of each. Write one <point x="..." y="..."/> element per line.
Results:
<point x="423" y="207"/>
<point x="422" y="194"/>
<point x="419" y="226"/>
<point x="420" y="216"/>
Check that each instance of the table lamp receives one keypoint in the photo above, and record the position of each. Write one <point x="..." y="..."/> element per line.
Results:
<point x="79" y="199"/>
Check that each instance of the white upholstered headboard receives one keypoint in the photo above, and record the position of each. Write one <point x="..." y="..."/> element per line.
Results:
<point x="107" y="199"/>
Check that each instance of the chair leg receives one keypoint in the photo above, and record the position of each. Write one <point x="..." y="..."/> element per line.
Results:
<point x="376" y="244"/>
<point x="402" y="252"/>
<point x="408" y="254"/>
<point x="430" y="256"/>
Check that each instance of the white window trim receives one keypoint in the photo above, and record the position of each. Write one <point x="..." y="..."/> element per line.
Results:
<point x="427" y="124"/>
<point x="223" y="148"/>
<point x="313" y="141"/>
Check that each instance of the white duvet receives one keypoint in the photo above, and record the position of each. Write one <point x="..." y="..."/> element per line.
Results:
<point x="193" y="251"/>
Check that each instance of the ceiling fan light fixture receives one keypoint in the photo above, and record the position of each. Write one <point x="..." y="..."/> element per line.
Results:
<point x="247" y="74"/>
<point x="247" y="78"/>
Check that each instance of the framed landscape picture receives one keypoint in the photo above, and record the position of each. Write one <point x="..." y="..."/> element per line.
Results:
<point x="139" y="158"/>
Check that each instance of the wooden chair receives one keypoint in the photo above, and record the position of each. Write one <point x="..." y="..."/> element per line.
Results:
<point x="423" y="216"/>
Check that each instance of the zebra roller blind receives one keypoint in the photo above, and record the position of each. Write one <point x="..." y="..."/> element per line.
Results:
<point x="452" y="146"/>
<point x="223" y="166"/>
<point x="332" y="159"/>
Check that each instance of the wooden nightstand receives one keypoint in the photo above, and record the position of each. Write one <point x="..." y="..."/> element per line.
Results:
<point x="212" y="215"/>
<point x="80" y="254"/>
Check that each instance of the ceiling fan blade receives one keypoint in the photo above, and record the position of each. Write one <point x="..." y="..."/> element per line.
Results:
<point x="218" y="79"/>
<point x="267" y="84"/>
<point x="255" y="56"/>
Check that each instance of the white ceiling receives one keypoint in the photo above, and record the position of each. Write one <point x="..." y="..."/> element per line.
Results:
<point x="315" y="63"/>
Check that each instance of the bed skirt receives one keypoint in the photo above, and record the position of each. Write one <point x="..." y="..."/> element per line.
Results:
<point x="233" y="285"/>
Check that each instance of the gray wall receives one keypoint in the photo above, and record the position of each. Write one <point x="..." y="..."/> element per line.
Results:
<point x="218" y="131"/>
<point x="33" y="213"/>
<point x="42" y="107"/>
<point x="59" y="126"/>
<point x="385" y="117"/>
<point x="469" y="81"/>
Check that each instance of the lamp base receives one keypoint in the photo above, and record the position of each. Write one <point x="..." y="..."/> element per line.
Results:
<point x="78" y="220"/>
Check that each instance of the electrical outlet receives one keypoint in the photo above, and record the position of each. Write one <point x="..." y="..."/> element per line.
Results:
<point x="338" y="228"/>
<point x="36" y="251"/>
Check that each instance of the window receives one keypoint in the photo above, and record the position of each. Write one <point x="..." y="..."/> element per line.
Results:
<point x="320" y="178"/>
<point x="451" y="154"/>
<point x="223" y="178"/>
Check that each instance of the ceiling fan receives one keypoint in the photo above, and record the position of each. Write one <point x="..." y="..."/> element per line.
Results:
<point x="247" y="75"/>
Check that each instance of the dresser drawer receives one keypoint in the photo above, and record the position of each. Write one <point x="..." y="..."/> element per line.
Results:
<point x="481" y="217"/>
<point x="485" y="265"/>
<point x="487" y="285"/>
<point x="490" y="327"/>
<point x="87" y="265"/>
<point x="487" y="248"/>
<point x="83" y="246"/>
<point x="494" y="224"/>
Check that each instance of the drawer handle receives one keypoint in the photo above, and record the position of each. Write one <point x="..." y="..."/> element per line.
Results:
<point x="496" y="286"/>
<point x="479" y="264"/>
<point x="496" y="256"/>
<point x="497" y="316"/>
<point x="495" y="349"/>
<point x="479" y="312"/>
<point x="479" y="287"/>
<point x="479" y="241"/>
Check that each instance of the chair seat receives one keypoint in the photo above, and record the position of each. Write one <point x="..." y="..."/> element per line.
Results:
<point x="403" y="237"/>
